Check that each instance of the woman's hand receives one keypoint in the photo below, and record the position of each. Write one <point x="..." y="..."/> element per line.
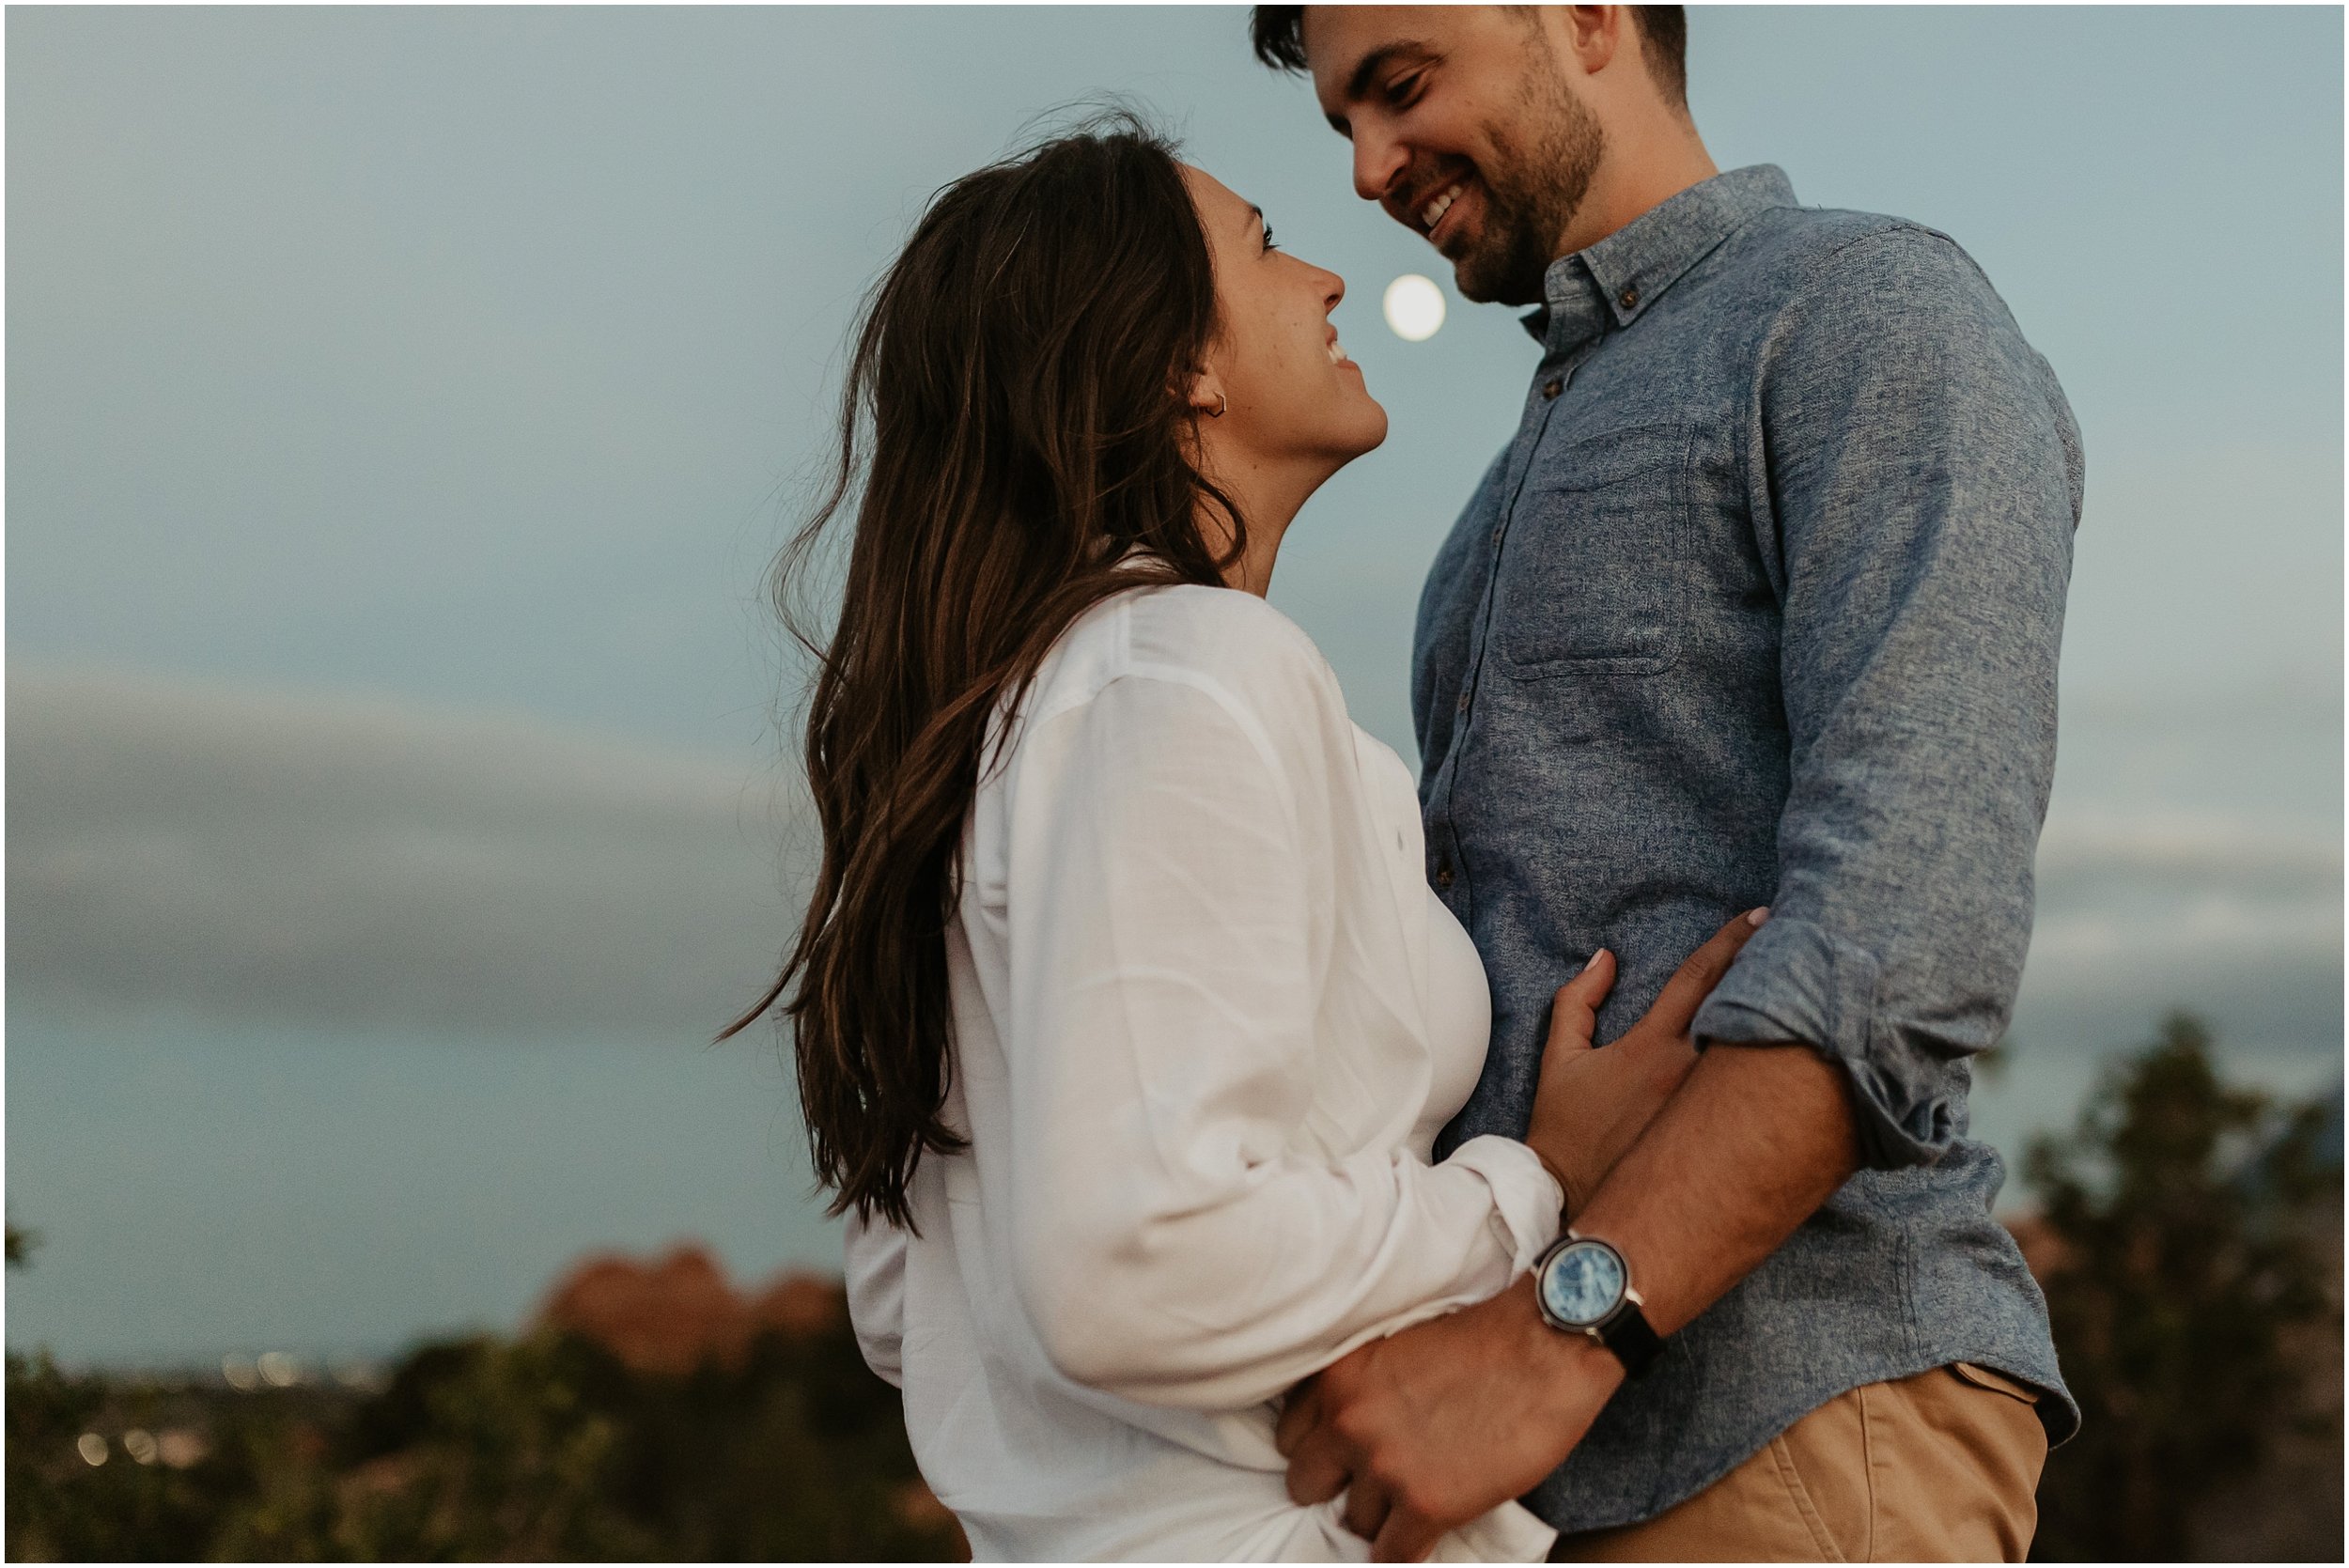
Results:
<point x="1591" y="1103"/>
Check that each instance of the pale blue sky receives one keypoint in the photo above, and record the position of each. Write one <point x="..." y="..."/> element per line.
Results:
<point x="402" y="407"/>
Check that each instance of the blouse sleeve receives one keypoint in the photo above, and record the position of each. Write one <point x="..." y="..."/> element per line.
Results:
<point x="875" y="1258"/>
<point x="1172" y="1243"/>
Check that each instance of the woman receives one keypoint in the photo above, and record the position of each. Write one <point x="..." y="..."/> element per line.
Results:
<point x="1125" y="1018"/>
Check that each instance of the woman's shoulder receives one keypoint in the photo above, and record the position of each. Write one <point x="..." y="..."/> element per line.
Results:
<point x="1237" y="653"/>
<point x="1227" y="643"/>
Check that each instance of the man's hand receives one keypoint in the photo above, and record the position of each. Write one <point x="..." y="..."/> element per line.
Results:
<point x="1428" y="1429"/>
<point x="1431" y="1427"/>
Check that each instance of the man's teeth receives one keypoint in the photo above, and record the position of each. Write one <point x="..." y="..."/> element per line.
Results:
<point x="1337" y="355"/>
<point x="1433" y="213"/>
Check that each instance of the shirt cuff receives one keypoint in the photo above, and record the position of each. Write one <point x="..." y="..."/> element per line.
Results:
<point x="1527" y="1202"/>
<point x="1798" y="980"/>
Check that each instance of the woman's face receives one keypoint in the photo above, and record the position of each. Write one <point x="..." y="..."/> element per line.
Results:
<point x="1289" y="392"/>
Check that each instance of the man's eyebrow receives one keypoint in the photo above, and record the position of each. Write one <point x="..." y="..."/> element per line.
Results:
<point x="1358" y="85"/>
<point x="1378" y="59"/>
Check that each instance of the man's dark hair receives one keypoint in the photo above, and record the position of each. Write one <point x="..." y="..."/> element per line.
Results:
<point x="1278" y="33"/>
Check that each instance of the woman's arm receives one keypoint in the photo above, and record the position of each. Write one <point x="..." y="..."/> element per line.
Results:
<point x="875" y="1259"/>
<point x="1169" y="920"/>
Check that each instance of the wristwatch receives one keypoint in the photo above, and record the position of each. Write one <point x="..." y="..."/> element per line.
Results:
<point x="1582" y="1286"/>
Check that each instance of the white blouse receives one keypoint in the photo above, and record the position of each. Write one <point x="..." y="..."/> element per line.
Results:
<point x="1207" y="1020"/>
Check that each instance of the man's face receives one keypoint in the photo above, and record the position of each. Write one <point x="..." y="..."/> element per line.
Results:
<point x="1465" y="128"/>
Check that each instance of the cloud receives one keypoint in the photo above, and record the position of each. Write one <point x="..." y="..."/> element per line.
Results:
<point x="340" y="859"/>
<point x="2236" y="918"/>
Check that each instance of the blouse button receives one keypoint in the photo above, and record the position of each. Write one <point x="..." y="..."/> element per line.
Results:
<point x="1552" y="387"/>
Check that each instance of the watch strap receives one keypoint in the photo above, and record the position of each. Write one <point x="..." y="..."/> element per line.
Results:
<point x="1627" y="1332"/>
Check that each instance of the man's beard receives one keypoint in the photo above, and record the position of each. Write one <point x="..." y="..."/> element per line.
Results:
<point x="1533" y="186"/>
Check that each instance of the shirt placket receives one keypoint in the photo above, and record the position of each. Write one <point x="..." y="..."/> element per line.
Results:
<point x="1447" y="866"/>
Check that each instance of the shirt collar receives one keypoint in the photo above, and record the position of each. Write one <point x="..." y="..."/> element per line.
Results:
<point x="1631" y="268"/>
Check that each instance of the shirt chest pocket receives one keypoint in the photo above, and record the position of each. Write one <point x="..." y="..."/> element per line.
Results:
<point x="1594" y="570"/>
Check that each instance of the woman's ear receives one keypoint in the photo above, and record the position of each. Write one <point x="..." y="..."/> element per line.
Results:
<point x="1206" y="394"/>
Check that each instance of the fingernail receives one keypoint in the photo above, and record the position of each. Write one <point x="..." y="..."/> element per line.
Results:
<point x="1755" y="917"/>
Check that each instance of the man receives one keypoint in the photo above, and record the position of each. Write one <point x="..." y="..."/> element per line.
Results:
<point x="1761" y="604"/>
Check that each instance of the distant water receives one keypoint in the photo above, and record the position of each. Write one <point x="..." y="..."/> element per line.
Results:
<point x="205" y="1190"/>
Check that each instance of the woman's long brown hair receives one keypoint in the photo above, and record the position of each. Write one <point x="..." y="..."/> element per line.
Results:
<point x="1015" y="421"/>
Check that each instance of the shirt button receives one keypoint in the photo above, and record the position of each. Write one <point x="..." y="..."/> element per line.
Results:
<point x="1628" y="297"/>
<point x="1463" y="704"/>
<point x="1552" y="387"/>
<point x="1443" y="873"/>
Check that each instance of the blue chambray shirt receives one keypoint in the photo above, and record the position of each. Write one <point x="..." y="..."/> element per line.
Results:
<point x="1761" y="605"/>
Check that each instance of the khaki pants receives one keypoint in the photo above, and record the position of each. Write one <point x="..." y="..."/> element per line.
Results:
<point x="1939" y="1467"/>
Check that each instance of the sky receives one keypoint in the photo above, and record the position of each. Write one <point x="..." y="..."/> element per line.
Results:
<point x="403" y="406"/>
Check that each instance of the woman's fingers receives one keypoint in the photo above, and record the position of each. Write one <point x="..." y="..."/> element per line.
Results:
<point x="1676" y="1005"/>
<point x="1574" y="1012"/>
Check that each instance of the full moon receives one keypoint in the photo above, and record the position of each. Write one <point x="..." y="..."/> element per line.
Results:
<point x="1414" y="307"/>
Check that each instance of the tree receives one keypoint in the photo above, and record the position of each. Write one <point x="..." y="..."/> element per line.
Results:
<point x="2189" y="1223"/>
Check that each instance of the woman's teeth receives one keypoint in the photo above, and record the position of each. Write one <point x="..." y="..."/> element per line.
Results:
<point x="1431" y="214"/>
<point x="1337" y="354"/>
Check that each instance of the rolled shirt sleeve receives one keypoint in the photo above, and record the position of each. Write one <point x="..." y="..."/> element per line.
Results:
<point x="1181" y="1234"/>
<point x="1923" y="476"/>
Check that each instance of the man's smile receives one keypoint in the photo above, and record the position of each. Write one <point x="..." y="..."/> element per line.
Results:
<point x="1424" y="210"/>
<point x="1432" y="214"/>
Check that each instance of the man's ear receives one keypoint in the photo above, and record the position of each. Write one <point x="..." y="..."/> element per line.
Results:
<point x="1592" y="34"/>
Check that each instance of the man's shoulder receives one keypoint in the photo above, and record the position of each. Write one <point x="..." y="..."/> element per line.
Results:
<point x="1792" y="253"/>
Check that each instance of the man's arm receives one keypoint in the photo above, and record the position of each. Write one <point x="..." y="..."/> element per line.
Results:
<point x="1916" y="498"/>
<point x="1433" y="1426"/>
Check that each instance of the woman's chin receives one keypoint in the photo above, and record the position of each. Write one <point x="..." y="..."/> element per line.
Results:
<point x="1363" y="429"/>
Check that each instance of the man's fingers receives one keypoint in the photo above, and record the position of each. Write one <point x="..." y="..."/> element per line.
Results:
<point x="1298" y="1413"/>
<point x="1367" y="1506"/>
<point x="1684" y="992"/>
<point x="1406" y="1537"/>
<point x="1318" y="1470"/>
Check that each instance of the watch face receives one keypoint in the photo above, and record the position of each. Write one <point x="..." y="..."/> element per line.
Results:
<point x="1583" y="1282"/>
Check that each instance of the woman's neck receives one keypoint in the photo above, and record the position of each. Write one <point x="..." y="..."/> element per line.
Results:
<point x="1268" y="496"/>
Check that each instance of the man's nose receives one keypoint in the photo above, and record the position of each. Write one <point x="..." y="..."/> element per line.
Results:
<point x="1377" y="160"/>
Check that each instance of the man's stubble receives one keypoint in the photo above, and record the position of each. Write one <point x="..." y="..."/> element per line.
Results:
<point x="1545" y="158"/>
